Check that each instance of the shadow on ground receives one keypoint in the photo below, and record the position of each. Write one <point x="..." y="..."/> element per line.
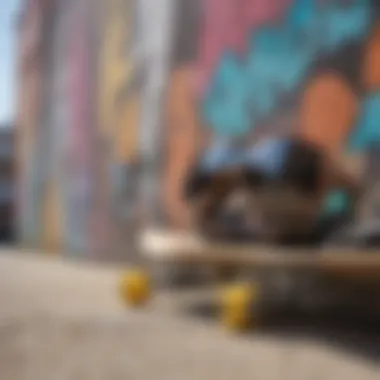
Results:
<point x="350" y="331"/>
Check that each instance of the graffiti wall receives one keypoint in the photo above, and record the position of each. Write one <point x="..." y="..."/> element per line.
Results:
<point x="284" y="57"/>
<point x="30" y="79"/>
<point x="184" y="131"/>
<point x="54" y="122"/>
<point x="84" y="175"/>
<point x="255" y="67"/>
<point x="158" y="50"/>
<point x="135" y="89"/>
<point x="118" y="117"/>
<point x="78" y="160"/>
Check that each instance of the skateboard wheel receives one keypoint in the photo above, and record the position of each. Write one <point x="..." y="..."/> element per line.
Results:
<point x="236" y="306"/>
<point x="134" y="287"/>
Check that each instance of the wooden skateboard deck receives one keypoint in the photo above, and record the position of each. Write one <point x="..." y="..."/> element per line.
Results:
<point x="184" y="248"/>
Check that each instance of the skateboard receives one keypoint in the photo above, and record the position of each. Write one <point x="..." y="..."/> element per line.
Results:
<point x="251" y="276"/>
<point x="184" y="248"/>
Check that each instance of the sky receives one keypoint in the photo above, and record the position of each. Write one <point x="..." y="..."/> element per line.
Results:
<point x="8" y="11"/>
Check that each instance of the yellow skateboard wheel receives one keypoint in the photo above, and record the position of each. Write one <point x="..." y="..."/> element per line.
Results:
<point x="135" y="287"/>
<point x="236" y="306"/>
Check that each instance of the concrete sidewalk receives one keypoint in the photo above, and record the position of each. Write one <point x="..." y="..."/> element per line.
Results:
<point x="63" y="320"/>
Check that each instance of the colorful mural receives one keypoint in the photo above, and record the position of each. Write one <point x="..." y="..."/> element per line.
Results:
<point x="52" y="220"/>
<point x="53" y="140"/>
<point x="237" y="69"/>
<point x="309" y="67"/>
<point x="29" y="91"/>
<point x="297" y="53"/>
<point x="119" y="101"/>
<point x="119" y="112"/>
<point x="183" y="131"/>
<point x="78" y="169"/>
